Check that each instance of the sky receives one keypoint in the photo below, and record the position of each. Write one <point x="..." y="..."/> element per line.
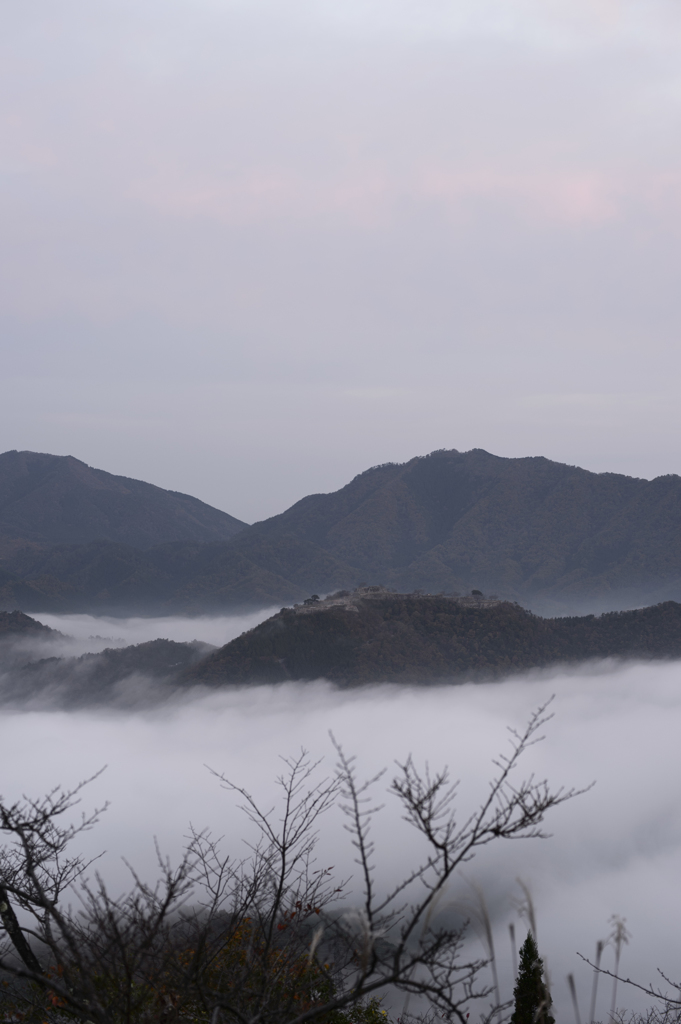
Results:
<point x="613" y="850"/>
<point x="249" y="249"/>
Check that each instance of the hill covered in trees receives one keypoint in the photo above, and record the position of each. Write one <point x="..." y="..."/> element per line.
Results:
<point x="117" y="676"/>
<point x="17" y="626"/>
<point x="374" y="636"/>
<point x="548" y="535"/>
<point x="351" y="638"/>
<point x="35" y="668"/>
<point x="50" y="499"/>
<point x="556" y="538"/>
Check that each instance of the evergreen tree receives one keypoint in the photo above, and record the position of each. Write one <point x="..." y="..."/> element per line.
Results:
<point x="532" y="999"/>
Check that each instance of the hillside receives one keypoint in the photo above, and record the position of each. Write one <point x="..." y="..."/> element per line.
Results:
<point x="17" y="626"/>
<point x="549" y="535"/>
<point x="371" y="635"/>
<point x="33" y="667"/>
<point x="48" y="499"/>
<point x="556" y="538"/>
<point x="351" y="638"/>
<point x="116" y="578"/>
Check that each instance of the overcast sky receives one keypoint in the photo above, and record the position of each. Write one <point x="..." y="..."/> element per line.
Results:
<point x="249" y="249"/>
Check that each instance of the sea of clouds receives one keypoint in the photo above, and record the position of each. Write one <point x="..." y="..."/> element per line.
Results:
<point x="614" y="850"/>
<point x="90" y="633"/>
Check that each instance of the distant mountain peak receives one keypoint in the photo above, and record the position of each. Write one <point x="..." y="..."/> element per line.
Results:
<point x="556" y="538"/>
<point x="58" y="499"/>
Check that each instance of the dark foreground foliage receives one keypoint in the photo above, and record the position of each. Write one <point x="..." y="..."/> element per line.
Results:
<point x="265" y="940"/>
<point x="532" y="1002"/>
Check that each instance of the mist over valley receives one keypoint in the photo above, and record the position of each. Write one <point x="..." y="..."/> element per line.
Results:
<point x="340" y="416"/>
<point x="159" y="697"/>
<point x="613" y="850"/>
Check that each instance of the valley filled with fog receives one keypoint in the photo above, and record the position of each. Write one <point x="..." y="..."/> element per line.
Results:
<point x="375" y="301"/>
<point x="614" y="850"/>
<point x="90" y="633"/>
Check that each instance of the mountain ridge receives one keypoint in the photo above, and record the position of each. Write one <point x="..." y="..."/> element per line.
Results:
<point x="353" y="638"/>
<point x="554" y="537"/>
<point x="372" y="635"/>
<point x="47" y="500"/>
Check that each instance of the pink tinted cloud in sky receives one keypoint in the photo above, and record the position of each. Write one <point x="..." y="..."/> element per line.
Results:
<point x="448" y="224"/>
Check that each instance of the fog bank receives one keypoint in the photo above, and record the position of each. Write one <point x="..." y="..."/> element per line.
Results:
<point x="614" y="850"/>
<point x="92" y="633"/>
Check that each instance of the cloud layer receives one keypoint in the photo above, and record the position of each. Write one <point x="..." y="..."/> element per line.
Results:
<point x="613" y="850"/>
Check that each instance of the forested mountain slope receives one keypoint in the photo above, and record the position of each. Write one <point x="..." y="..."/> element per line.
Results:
<point x="420" y="638"/>
<point x="50" y="499"/>
<point x="351" y="638"/>
<point x="34" y="668"/>
<point x="17" y="626"/>
<point x="526" y="528"/>
<point x="556" y="538"/>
